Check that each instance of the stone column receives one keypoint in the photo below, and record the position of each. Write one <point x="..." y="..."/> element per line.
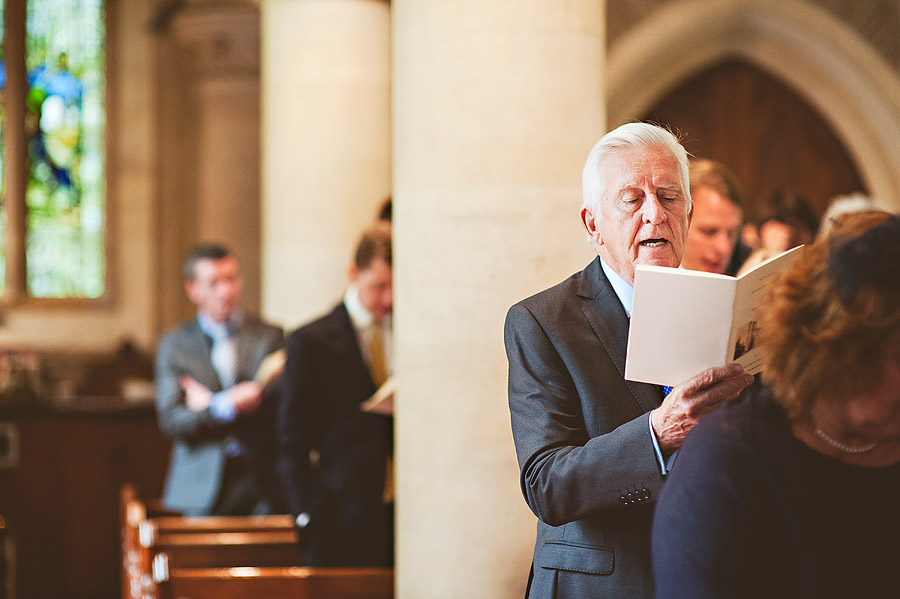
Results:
<point x="496" y="105"/>
<point x="219" y="43"/>
<point x="326" y="145"/>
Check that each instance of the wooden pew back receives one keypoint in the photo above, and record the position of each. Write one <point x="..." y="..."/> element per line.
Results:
<point x="225" y="549"/>
<point x="136" y="579"/>
<point x="152" y="546"/>
<point x="279" y="583"/>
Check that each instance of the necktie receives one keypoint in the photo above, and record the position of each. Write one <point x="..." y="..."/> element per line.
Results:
<point x="224" y="357"/>
<point x="666" y="390"/>
<point x="377" y="362"/>
<point x="378" y="367"/>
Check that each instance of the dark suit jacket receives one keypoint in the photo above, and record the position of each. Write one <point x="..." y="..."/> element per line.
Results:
<point x="198" y="453"/>
<point x="325" y="380"/>
<point x="588" y="469"/>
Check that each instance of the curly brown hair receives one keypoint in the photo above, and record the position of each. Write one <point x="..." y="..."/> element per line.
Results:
<point x="817" y="344"/>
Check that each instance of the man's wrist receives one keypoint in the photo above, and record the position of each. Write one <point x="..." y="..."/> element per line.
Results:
<point x="222" y="407"/>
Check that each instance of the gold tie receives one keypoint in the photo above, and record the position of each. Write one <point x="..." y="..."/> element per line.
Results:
<point x="377" y="364"/>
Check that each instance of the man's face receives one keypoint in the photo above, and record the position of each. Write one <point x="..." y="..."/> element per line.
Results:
<point x="778" y="236"/>
<point x="216" y="287"/>
<point x="644" y="212"/>
<point x="375" y="285"/>
<point x="713" y="232"/>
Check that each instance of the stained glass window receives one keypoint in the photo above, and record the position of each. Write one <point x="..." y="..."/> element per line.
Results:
<point x="64" y="53"/>
<point x="64" y="161"/>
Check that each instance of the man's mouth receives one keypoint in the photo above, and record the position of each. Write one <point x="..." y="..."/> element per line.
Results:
<point x="653" y="243"/>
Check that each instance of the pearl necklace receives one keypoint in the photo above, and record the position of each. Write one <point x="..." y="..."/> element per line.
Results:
<point x="842" y="446"/>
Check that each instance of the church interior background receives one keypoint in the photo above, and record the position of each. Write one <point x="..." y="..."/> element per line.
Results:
<point x="279" y="127"/>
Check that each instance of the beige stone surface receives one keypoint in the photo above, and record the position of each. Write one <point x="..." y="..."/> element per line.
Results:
<point x="326" y="146"/>
<point x="495" y="108"/>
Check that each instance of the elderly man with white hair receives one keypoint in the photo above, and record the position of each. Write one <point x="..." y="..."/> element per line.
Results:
<point x="593" y="447"/>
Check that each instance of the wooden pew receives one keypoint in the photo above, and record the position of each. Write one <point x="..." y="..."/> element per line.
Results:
<point x="136" y="576"/>
<point x="172" y="523"/>
<point x="154" y="545"/>
<point x="258" y="548"/>
<point x="278" y="583"/>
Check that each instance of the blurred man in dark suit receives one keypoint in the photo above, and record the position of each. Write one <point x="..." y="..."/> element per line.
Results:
<point x="335" y="458"/>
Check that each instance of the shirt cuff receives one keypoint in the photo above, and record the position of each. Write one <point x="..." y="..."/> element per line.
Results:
<point x="221" y="408"/>
<point x="664" y="464"/>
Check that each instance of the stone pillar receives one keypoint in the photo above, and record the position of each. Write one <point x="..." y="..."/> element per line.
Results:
<point x="326" y="145"/>
<point x="219" y="43"/>
<point x="496" y="105"/>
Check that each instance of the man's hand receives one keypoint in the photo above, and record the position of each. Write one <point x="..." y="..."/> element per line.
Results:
<point x="693" y="400"/>
<point x="246" y="396"/>
<point x="196" y="395"/>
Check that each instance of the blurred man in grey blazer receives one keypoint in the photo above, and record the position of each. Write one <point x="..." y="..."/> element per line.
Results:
<point x="220" y="420"/>
<point x="593" y="447"/>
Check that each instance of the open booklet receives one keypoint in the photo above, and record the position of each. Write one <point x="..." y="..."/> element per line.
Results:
<point x="685" y="321"/>
<point x="270" y="369"/>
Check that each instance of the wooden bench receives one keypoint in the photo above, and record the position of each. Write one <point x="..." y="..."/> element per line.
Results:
<point x="256" y="548"/>
<point x="136" y="576"/>
<point x="278" y="583"/>
<point x="153" y="546"/>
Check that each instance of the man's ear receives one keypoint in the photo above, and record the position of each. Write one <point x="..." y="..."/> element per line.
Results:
<point x="590" y="225"/>
<point x="352" y="272"/>
<point x="190" y="288"/>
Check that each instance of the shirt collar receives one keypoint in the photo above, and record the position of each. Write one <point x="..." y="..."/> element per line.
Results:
<point x="216" y="329"/>
<point x="359" y="315"/>
<point x="624" y="290"/>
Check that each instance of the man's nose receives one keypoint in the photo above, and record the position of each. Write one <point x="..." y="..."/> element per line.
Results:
<point x="724" y="244"/>
<point x="654" y="213"/>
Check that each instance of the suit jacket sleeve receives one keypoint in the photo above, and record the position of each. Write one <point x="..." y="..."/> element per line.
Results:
<point x="583" y="442"/>
<point x="299" y="423"/>
<point x="177" y="355"/>
<point x="175" y="419"/>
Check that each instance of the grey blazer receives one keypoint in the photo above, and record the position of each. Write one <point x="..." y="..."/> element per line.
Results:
<point x="586" y="458"/>
<point x="197" y="463"/>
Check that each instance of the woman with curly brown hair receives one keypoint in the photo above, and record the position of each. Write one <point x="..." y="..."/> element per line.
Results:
<point x="796" y="492"/>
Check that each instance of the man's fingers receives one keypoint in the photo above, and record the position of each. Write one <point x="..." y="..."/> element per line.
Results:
<point x="732" y="387"/>
<point x="711" y="376"/>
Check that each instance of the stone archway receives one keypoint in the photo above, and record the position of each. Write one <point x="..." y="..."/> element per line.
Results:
<point x="828" y="64"/>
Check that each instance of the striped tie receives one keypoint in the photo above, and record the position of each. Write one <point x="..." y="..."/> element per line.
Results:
<point x="224" y="357"/>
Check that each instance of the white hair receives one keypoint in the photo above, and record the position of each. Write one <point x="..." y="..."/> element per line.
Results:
<point x="629" y="135"/>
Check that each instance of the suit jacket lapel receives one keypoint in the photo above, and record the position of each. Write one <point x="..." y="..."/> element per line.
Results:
<point x="245" y="345"/>
<point x="604" y="312"/>
<point x="198" y="344"/>
<point x="354" y="360"/>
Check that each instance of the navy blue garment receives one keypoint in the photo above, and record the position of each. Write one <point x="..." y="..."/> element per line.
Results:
<point x="749" y="511"/>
